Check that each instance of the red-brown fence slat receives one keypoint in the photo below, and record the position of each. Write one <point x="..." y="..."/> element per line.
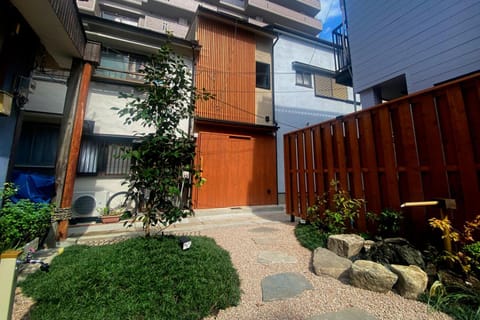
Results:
<point x="464" y="148"/>
<point x="390" y="170"/>
<point x="341" y="154"/>
<point x="309" y="170"/>
<point x="372" y="187"/>
<point x="302" y="189"/>
<point x="288" y="173"/>
<point x="356" y="174"/>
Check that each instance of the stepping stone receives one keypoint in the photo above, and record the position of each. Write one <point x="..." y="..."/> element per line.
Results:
<point x="283" y="286"/>
<point x="263" y="229"/>
<point x="271" y="257"/>
<point x="263" y="241"/>
<point x="347" y="314"/>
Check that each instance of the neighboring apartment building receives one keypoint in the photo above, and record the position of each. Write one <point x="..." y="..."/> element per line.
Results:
<point x="305" y="89"/>
<point x="236" y="131"/>
<point x="395" y="48"/>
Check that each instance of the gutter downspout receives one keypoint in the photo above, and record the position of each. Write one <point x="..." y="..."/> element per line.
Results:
<point x="274" y="109"/>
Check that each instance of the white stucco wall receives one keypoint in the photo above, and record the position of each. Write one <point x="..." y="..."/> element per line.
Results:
<point x="429" y="41"/>
<point x="296" y="106"/>
<point x="47" y="96"/>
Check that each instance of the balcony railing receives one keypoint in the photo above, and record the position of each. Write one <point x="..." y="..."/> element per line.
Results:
<point x="341" y="50"/>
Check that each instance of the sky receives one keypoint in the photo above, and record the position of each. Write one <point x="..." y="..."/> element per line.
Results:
<point x="331" y="16"/>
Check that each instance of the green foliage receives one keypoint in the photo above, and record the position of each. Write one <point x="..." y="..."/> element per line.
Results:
<point x="473" y="252"/>
<point x="334" y="209"/>
<point x="463" y="238"/>
<point x="156" y="179"/>
<point x="140" y="278"/>
<point x="460" y="302"/>
<point x="310" y="236"/>
<point x="23" y="221"/>
<point x="388" y="222"/>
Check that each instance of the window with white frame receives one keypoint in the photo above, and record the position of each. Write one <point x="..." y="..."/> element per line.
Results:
<point x="303" y="78"/>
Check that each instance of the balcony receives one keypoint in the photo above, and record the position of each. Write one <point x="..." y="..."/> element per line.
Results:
<point x="171" y="8"/>
<point x="341" y="50"/>
<point x="57" y="25"/>
<point x="276" y="14"/>
<point x="163" y="25"/>
<point x="307" y="7"/>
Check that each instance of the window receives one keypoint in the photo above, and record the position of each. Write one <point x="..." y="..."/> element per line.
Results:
<point x="303" y="78"/>
<point x="102" y="156"/>
<point x="38" y="145"/>
<point x="263" y="75"/>
<point x="120" y="65"/>
<point x="133" y="21"/>
<point x="326" y="86"/>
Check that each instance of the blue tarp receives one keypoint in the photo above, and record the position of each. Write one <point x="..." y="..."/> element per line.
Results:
<point x="37" y="187"/>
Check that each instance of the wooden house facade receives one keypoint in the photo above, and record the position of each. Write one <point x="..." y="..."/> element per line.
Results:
<point x="236" y="130"/>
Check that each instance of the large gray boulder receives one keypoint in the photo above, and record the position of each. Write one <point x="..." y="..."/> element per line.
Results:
<point x="326" y="262"/>
<point x="412" y="280"/>
<point x="345" y="245"/>
<point x="372" y="276"/>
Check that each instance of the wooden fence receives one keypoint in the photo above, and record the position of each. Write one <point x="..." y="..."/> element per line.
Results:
<point x="419" y="147"/>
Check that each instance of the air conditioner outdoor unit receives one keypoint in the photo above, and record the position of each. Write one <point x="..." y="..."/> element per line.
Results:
<point x="87" y="204"/>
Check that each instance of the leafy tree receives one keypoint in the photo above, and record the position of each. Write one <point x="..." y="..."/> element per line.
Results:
<point x="162" y="162"/>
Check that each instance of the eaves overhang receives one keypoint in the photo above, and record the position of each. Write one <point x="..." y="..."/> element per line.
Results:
<point x="235" y="20"/>
<point x="58" y="26"/>
<point x="132" y="38"/>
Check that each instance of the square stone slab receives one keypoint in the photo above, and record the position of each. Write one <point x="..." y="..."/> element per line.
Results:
<point x="347" y="314"/>
<point x="283" y="286"/>
<point x="271" y="257"/>
<point x="263" y="229"/>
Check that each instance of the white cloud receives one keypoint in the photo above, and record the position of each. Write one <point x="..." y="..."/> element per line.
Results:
<point x="330" y="10"/>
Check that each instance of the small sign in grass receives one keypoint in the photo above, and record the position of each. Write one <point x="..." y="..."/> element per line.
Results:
<point x="141" y="278"/>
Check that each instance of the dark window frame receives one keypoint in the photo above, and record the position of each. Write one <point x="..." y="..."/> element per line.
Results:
<point x="262" y="72"/>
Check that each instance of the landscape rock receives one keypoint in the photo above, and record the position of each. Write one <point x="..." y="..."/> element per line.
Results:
<point x="345" y="245"/>
<point x="272" y="257"/>
<point x="367" y="245"/>
<point x="326" y="262"/>
<point x="395" y="251"/>
<point x="372" y="276"/>
<point x="412" y="280"/>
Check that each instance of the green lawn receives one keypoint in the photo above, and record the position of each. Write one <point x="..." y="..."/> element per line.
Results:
<point x="139" y="278"/>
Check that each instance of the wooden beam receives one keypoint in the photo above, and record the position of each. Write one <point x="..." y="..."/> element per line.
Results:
<point x="71" y="171"/>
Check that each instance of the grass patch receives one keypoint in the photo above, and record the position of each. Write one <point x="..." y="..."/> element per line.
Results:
<point x="459" y="302"/>
<point x="310" y="237"/>
<point x="139" y="278"/>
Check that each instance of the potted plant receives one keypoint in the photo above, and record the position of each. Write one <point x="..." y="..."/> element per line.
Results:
<point x="110" y="216"/>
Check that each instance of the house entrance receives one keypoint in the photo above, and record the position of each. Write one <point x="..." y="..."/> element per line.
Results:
<point x="240" y="170"/>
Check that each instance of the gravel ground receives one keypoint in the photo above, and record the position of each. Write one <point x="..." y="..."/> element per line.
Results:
<point x="328" y="294"/>
<point x="245" y="242"/>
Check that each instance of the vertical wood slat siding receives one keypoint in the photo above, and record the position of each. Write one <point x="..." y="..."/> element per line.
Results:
<point x="226" y="68"/>
<point x="419" y="147"/>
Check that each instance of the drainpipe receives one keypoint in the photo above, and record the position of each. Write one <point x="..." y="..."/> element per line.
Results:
<point x="292" y="217"/>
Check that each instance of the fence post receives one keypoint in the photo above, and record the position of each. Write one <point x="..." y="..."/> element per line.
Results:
<point x="8" y="282"/>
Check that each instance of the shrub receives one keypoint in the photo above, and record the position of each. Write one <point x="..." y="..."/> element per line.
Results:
<point x="388" y="222"/>
<point x="473" y="252"/>
<point x="310" y="237"/>
<point x="333" y="209"/>
<point x="23" y="221"/>
<point x="463" y="238"/>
